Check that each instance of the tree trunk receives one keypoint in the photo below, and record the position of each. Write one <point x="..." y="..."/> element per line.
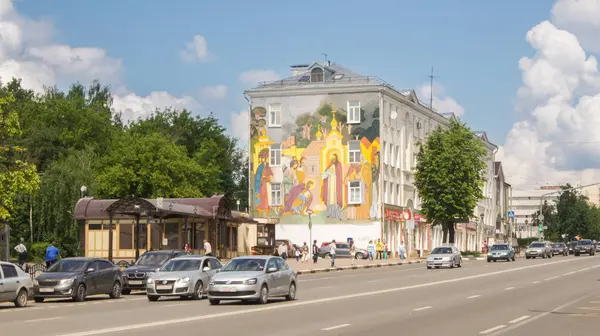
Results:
<point x="451" y="233"/>
<point x="444" y="234"/>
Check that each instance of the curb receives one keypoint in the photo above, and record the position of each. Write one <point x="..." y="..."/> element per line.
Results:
<point x="345" y="268"/>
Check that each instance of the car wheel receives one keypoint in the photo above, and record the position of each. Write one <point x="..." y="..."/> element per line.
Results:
<point x="116" y="290"/>
<point x="494" y="260"/>
<point x="264" y="295"/>
<point x="577" y="254"/>
<point x="428" y="267"/>
<point x="459" y="262"/>
<point x="360" y="256"/>
<point x="38" y="299"/>
<point x="545" y="256"/>
<point x="21" y="300"/>
<point x="125" y="291"/>
<point x="452" y="263"/>
<point x="513" y="258"/>
<point x="527" y="257"/>
<point x="80" y="293"/>
<point x="292" y="293"/>
<point x="153" y="298"/>
<point x="214" y="302"/>
<point x="198" y="291"/>
<point x="489" y="260"/>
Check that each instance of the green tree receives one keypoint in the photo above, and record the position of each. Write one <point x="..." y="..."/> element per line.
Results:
<point x="450" y="173"/>
<point x="16" y="175"/>
<point x="551" y="221"/>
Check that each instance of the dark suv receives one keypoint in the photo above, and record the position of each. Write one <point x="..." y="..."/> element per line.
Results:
<point x="136" y="275"/>
<point x="585" y="246"/>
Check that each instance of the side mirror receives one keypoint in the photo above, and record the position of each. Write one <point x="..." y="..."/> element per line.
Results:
<point x="206" y="269"/>
<point x="90" y="270"/>
<point x="272" y="270"/>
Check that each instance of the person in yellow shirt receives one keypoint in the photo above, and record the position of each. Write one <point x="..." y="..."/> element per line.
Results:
<point x="379" y="248"/>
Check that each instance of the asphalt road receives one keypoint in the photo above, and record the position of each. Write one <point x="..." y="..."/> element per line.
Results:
<point x="527" y="297"/>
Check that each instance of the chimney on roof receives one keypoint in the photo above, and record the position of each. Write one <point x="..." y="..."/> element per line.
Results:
<point x="298" y="69"/>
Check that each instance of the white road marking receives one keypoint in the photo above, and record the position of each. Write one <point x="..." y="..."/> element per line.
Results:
<point x="44" y="319"/>
<point x="369" y="272"/>
<point x="371" y="281"/>
<point x="535" y="282"/>
<point x="323" y="287"/>
<point x="302" y="303"/>
<point x="422" y="308"/>
<point x="570" y="273"/>
<point x="551" y="278"/>
<point x="335" y="327"/>
<point x="509" y="288"/>
<point x="491" y="330"/>
<point x="177" y="304"/>
<point x="473" y="296"/>
<point x="517" y="320"/>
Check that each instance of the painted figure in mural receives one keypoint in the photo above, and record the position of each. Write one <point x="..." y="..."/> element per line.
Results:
<point x="261" y="179"/>
<point x="289" y="176"/>
<point x="375" y="187"/>
<point x="332" y="188"/>
<point x="363" y="211"/>
<point x="353" y="174"/>
<point x="300" y="198"/>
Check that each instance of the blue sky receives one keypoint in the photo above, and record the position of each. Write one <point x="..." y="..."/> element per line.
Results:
<point x="474" y="45"/>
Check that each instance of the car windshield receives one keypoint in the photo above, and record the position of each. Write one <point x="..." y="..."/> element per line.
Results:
<point x="245" y="265"/>
<point x="181" y="265"/>
<point x="152" y="259"/>
<point x="557" y="245"/>
<point x="585" y="242"/>
<point x="68" y="266"/>
<point x="442" y="250"/>
<point x="499" y="247"/>
<point x="537" y="245"/>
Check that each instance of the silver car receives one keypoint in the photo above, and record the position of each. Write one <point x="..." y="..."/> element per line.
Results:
<point x="186" y="276"/>
<point x="16" y="286"/>
<point x="538" y="249"/>
<point x="445" y="256"/>
<point x="254" y="278"/>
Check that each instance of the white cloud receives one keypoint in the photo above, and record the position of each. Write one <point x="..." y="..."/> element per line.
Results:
<point x="581" y="18"/>
<point x="557" y="142"/>
<point x="441" y="102"/>
<point x="195" y="50"/>
<point x="240" y="126"/>
<point x="214" y="91"/>
<point x="28" y="51"/>
<point x="253" y="77"/>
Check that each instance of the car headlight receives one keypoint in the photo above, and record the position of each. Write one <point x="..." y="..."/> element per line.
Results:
<point x="490" y="253"/>
<point x="184" y="280"/>
<point x="65" y="282"/>
<point x="251" y="281"/>
<point x="149" y="274"/>
<point x="35" y="282"/>
<point x="212" y="283"/>
<point x="446" y="258"/>
<point x="150" y="281"/>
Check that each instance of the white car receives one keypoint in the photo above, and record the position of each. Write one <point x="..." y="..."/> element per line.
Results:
<point x="15" y="285"/>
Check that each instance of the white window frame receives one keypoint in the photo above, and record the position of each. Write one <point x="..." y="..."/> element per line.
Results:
<point x="274" y="113"/>
<point x="276" y="194"/>
<point x="353" y="154"/>
<point x="354" y="186"/>
<point x="275" y="155"/>
<point x="353" y="108"/>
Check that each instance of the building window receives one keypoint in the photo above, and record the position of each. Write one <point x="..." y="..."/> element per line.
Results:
<point x="354" y="151"/>
<point x="398" y="200"/>
<point x="275" y="155"/>
<point x="353" y="112"/>
<point x="385" y="153"/>
<point x="275" y="194"/>
<point x="125" y="236"/>
<point x="355" y="192"/>
<point x="316" y="75"/>
<point x="275" y="115"/>
<point x="385" y="192"/>
<point x="397" y="157"/>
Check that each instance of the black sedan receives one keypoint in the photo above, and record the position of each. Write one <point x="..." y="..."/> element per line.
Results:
<point x="560" y="249"/>
<point x="147" y="264"/>
<point x="77" y="278"/>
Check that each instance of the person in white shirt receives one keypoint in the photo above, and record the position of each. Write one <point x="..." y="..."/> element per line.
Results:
<point x="283" y="250"/>
<point x="22" y="251"/>
<point x="207" y="248"/>
<point x="332" y="252"/>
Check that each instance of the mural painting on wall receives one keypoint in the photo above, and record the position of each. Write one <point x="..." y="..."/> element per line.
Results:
<point x="321" y="165"/>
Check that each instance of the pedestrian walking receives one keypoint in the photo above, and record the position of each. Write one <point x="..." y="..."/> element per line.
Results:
<point x="207" y="248"/>
<point x="371" y="249"/>
<point x="305" y="253"/>
<point x="385" y="250"/>
<point x="352" y="252"/>
<point x="402" y="250"/>
<point x="186" y="248"/>
<point x="297" y="253"/>
<point x="22" y="251"/>
<point x="315" y="252"/>
<point x="283" y="250"/>
<point x="52" y="255"/>
<point x="379" y="248"/>
<point x="332" y="252"/>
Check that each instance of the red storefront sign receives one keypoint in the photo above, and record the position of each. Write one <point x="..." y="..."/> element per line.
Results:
<point x="407" y="215"/>
<point x="420" y="218"/>
<point x="392" y="215"/>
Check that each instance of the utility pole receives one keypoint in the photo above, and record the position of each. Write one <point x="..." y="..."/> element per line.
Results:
<point x="431" y="77"/>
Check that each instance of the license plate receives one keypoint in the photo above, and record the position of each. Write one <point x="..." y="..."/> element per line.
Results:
<point x="227" y="289"/>
<point x="46" y="290"/>
<point x="163" y="287"/>
<point x="135" y="282"/>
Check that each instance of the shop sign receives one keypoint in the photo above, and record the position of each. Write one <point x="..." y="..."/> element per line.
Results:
<point x="407" y="215"/>
<point x="420" y="218"/>
<point x="392" y="214"/>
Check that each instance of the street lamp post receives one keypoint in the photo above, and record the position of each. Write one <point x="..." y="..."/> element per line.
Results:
<point x="477" y="231"/>
<point x="528" y="228"/>
<point x="310" y="212"/>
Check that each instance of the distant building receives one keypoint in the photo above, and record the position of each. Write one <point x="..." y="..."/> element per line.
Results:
<point x="525" y="203"/>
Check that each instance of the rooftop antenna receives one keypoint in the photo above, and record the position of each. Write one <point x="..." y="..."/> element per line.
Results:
<point x="431" y="77"/>
<point x="325" y="55"/>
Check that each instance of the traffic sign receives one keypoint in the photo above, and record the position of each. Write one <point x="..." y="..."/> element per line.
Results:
<point x="540" y="217"/>
<point x="511" y="214"/>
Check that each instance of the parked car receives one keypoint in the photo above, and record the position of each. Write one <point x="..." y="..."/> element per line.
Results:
<point x="501" y="252"/>
<point x="445" y="256"/>
<point x="538" y="249"/>
<point x="572" y="247"/>
<point x="342" y="250"/>
<point x="254" y="278"/>
<point x="16" y="286"/>
<point x="147" y="264"/>
<point x="560" y="249"/>
<point x="186" y="276"/>
<point x="584" y="246"/>
<point x="79" y="277"/>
